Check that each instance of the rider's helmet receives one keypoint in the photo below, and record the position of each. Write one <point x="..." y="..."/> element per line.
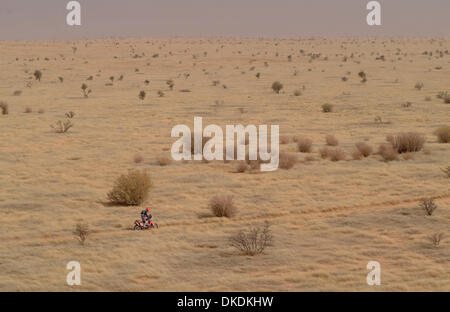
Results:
<point x="148" y="208"/>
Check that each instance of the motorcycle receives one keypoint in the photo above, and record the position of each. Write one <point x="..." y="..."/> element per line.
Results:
<point x="139" y="225"/>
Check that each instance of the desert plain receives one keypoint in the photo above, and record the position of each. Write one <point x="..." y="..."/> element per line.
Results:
<point x="328" y="218"/>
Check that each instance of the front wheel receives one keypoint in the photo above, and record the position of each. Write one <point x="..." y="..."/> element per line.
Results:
<point x="155" y="225"/>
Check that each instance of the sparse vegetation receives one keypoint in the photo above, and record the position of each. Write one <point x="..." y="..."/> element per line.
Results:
<point x="4" y="107"/>
<point x="254" y="241"/>
<point x="446" y="171"/>
<point x="387" y="152"/>
<point x="304" y="145"/>
<point x="138" y="158"/>
<point x="364" y="148"/>
<point x="62" y="126"/>
<point x="241" y="167"/>
<point x="331" y="140"/>
<point x="428" y="205"/>
<point x="131" y="188"/>
<point x="419" y="86"/>
<point x="327" y="108"/>
<point x="164" y="160"/>
<point x="287" y="161"/>
<point x="86" y="92"/>
<point x="222" y="206"/>
<point x="336" y="154"/>
<point x="277" y="86"/>
<point x="37" y="75"/>
<point x="284" y="140"/>
<point x="407" y="142"/>
<point x="142" y="95"/>
<point x="443" y="134"/>
<point x="82" y="232"/>
<point x="170" y="84"/>
<point x="436" y="238"/>
<point x="363" y="76"/>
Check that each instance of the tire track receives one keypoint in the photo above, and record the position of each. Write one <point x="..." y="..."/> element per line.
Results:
<point x="323" y="213"/>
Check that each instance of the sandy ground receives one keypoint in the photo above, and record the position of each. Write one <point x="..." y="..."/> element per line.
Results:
<point x="329" y="219"/>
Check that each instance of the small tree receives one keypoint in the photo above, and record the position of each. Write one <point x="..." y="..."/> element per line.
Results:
<point x="277" y="86"/>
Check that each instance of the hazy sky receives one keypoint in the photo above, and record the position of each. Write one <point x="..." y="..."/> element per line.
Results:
<point x="46" y="19"/>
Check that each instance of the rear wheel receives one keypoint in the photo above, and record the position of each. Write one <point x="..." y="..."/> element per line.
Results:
<point x="137" y="227"/>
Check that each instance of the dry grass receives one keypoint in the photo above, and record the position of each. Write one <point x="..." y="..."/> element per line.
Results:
<point x="331" y="140"/>
<point x="304" y="145"/>
<point x="336" y="154"/>
<point x="318" y="210"/>
<point x="436" y="239"/>
<point x="138" y="158"/>
<point x="131" y="188"/>
<point x="287" y="161"/>
<point x="443" y="134"/>
<point x="323" y="152"/>
<point x="356" y="155"/>
<point x="388" y="152"/>
<point x="81" y="232"/>
<point x="62" y="126"/>
<point x="446" y="171"/>
<point x="284" y="140"/>
<point x="333" y="154"/>
<point x="222" y="206"/>
<point x="428" y="205"/>
<point x="327" y="108"/>
<point x="164" y="160"/>
<point x="407" y="142"/>
<point x="241" y="167"/>
<point x="364" y="149"/>
<point x="277" y="86"/>
<point x="4" y="108"/>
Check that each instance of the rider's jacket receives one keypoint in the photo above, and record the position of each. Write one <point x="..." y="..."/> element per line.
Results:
<point x="144" y="213"/>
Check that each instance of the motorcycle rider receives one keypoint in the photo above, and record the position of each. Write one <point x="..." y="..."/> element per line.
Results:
<point x="146" y="216"/>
